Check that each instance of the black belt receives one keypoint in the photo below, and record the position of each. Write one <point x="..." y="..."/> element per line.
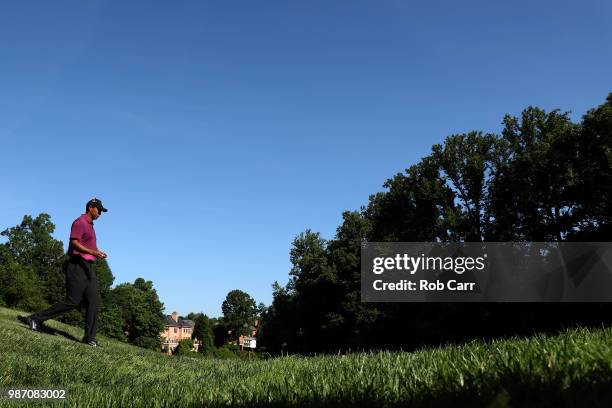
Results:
<point x="77" y="258"/>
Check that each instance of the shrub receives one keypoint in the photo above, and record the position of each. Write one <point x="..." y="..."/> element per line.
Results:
<point x="225" y="352"/>
<point x="184" y="348"/>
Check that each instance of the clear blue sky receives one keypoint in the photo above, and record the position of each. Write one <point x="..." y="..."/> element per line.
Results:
<point x="216" y="131"/>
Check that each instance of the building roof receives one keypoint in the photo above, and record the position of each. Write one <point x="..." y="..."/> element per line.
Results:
<point x="183" y="323"/>
<point x="169" y="321"/>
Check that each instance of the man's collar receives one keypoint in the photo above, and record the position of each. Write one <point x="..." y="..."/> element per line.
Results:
<point x="89" y="220"/>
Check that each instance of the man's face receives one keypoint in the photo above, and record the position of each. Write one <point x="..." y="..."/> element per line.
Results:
<point x="94" y="212"/>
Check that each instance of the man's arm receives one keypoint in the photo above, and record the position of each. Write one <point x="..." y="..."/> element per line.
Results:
<point x="79" y="247"/>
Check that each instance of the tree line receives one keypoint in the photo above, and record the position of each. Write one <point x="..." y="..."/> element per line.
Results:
<point x="544" y="178"/>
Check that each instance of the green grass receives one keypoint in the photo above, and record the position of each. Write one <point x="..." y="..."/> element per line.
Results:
<point x="571" y="369"/>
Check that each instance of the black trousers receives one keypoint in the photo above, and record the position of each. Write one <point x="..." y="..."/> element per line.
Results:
<point x="81" y="287"/>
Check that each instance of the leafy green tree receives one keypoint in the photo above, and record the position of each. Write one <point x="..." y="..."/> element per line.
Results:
<point x="314" y="283"/>
<point x="221" y="332"/>
<point x="354" y="319"/>
<point x="307" y="256"/>
<point x="31" y="245"/>
<point x="141" y="312"/>
<point x="104" y="276"/>
<point x="465" y="161"/>
<point x="238" y="313"/>
<point x="532" y="179"/>
<point x="20" y="287"/>
<point x="278" y="323"/>
<point x="418" y="206"/>
<point x="203" y="331"/>
<point x="110" y="320"/>
<point x="260" y="309"/>
<point x="591" y="155"/>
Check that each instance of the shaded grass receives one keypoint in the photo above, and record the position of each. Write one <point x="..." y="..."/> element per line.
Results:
<point x="570" y="369"/>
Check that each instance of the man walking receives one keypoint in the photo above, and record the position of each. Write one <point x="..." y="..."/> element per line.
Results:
<point x="81" y="284"/>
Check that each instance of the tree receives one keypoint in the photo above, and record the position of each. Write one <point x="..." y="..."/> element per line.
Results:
<point x="31" y="245"/>
<point x="203" y="331"/>
<point x="278" y="323"/>
<point x="20" y="287"/>
<point x="532" y="177"/>
<point x="355" y="319"/>
<point x="592" y="161"/>
<point x="260" y="309"/>
<point x="238" y="313"/>
<point x="220" y="331"/>
<point x="141" y="312"/>
<point x="418" y="206"/>
<point x="314" y="284"/>
<point x="465" y="161"/>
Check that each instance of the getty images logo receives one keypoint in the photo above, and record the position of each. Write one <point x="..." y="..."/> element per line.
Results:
<point x="411" y="264"/>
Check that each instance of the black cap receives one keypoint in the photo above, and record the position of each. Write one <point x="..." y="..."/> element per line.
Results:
<point x="94" y="202"/>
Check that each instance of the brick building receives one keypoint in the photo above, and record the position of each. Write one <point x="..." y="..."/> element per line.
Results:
<point x="177" y="329"/>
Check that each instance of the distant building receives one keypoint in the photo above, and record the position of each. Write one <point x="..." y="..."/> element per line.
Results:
<point x="177" y="329"/>
<point x="249" y="342"/>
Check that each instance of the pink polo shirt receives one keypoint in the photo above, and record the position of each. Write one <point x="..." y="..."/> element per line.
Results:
<point x="82" y="229"/>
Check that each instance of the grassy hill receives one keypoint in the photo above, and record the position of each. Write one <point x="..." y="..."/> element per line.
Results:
<point x="571" y="369"/>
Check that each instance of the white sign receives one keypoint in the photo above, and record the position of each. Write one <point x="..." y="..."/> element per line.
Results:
<point x="249" y="342"/>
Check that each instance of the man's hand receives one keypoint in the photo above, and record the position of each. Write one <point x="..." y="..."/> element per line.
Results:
<point x="79" y="247"/>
